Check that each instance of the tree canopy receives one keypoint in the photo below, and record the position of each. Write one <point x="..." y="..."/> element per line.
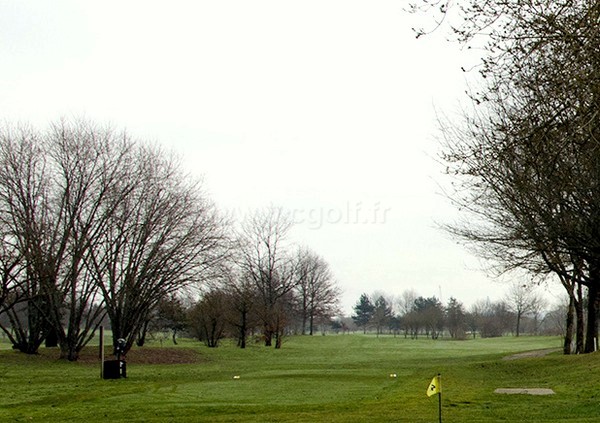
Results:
<point x="526" y="157"/>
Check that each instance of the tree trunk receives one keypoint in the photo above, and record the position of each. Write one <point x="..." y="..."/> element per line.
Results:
<point x="570" y="323"/>
<point x="592" y="316"/>
<point x="580" y="329"/>
<point x="29" y="337"/>
<point x="69" y="353"/>
<point x="51" y="338"/>
<point x="279" y="334"/>
<point x="243" y="330"/>
<point x="142" y="336"/>
<point x="268" y="334"/>
<point x="304" y="319"/>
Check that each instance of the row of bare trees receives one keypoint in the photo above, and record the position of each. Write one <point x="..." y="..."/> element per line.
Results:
<point x="522" y="310"/>
<point x="271" y="288"/>
<point x="276" y="279"/>
<point x="94" y="224"/>
<point x="527" y="156"/>
<point x="241" y="306"/>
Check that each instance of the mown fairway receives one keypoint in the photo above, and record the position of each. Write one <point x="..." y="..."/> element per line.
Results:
<point x="334" y="378"/>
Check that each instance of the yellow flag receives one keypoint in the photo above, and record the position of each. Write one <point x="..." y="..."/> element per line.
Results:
<point x="435" y="387"/>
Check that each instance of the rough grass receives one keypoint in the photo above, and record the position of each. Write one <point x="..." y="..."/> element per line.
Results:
<point x="336" y="378"/>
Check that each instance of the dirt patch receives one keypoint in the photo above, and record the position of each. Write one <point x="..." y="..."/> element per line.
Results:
<point x="137" y="355"/>
<point x="530" y="354"/>
<point x="526" y="391"/>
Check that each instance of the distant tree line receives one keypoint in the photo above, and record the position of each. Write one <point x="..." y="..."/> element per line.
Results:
<point x="411" y="315"/>
<point x="95" y="225"/>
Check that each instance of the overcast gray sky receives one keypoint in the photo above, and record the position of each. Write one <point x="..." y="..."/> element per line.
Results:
<point x="326" y="108"/>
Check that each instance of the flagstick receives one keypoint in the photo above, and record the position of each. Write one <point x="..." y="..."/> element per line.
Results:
<point x="440" y="396"/>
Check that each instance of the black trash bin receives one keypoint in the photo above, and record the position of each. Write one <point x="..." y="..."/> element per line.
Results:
<point x="115" y="369"/>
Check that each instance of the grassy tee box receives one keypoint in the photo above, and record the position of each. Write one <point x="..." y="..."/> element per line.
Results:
<point x="336" y="378"/>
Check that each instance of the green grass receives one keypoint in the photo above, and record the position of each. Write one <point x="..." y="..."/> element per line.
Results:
<point x="336" y="378"/>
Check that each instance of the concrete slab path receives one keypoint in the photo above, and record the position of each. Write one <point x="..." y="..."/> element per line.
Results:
<point x="526" y="391"/>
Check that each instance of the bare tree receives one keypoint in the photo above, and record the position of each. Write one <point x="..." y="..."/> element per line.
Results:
<point x="162" y="235"/>
<point x="31" y="227"/>
<point x="496" y="319"/>
<point x="405" y="304"/>
<point x="539" y="308"/>
<point x="169" y="316"/>
<point x="87" y="161"/>
<point x="53" y="184"/>
<point x="243" y="300"/>
<point x="474" y="318"/>
<point x="430" y="314"/>
<point x="11" y="273"/>
<point x="208" y="317"/>
<point x="89" y="217"/>
<point x="265" y="259"/>
<point x="406" y="301"/>
<point x="316" y="291"/>
<point x="520" y="300"/>
<point x="527" y="155"/>
<point x="554" y="320"/>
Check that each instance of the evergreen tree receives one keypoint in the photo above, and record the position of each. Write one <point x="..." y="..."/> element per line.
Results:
<point x="363" y="312"/>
